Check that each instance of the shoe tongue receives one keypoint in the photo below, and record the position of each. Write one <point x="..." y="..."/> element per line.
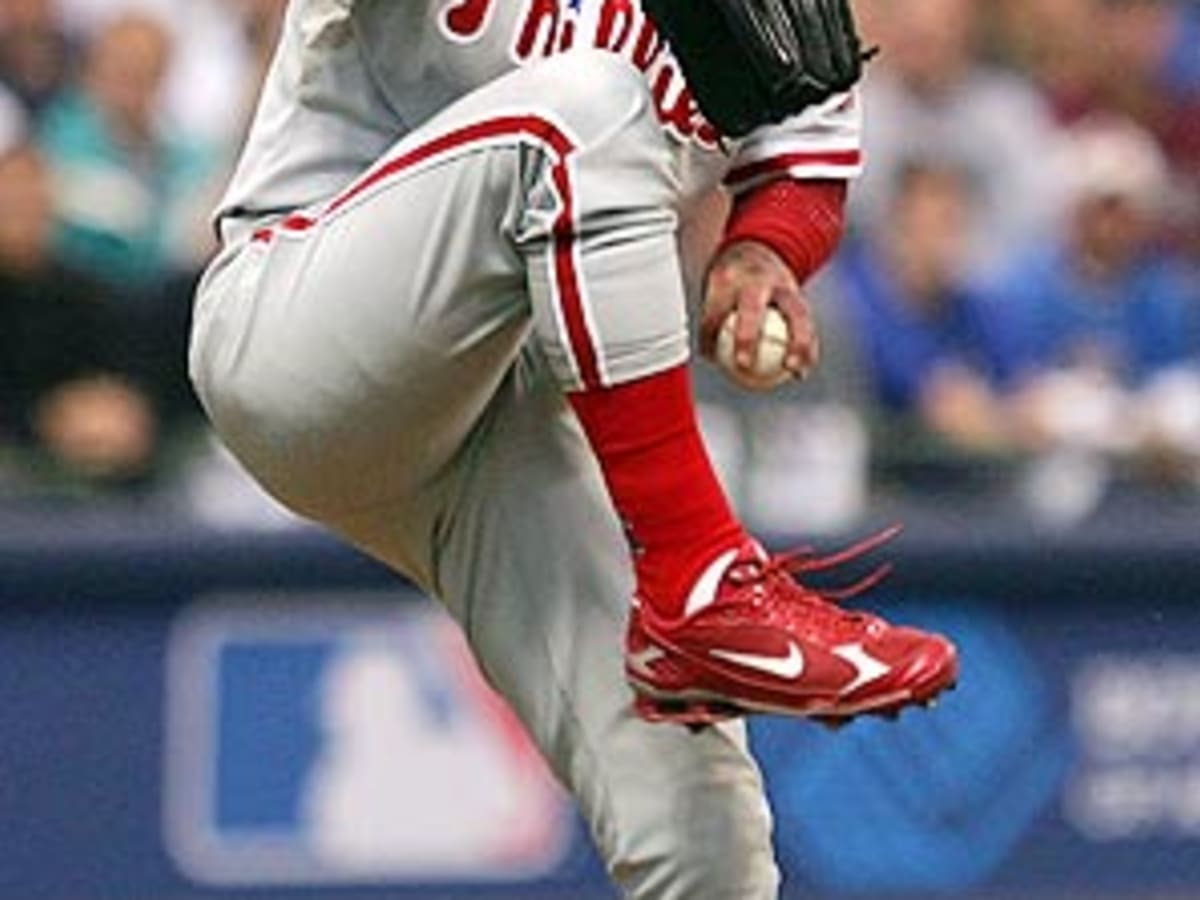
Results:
<point x="704" y="591"/>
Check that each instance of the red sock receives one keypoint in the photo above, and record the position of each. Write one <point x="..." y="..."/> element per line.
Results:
<point x="661" y="482"/>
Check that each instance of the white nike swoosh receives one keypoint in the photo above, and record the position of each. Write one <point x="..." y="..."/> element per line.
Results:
<point x="704" y="592"/>
<point x="866" y="667"/>
<point x="790" y="666"/>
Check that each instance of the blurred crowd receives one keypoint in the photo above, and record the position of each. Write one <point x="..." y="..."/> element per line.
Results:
<point x="1021" y="281"/>
<point x="1017" y="307"/>
<point x="119" y="122"/>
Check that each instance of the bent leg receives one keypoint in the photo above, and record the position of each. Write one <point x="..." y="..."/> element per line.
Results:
<point x="353" y="352"/>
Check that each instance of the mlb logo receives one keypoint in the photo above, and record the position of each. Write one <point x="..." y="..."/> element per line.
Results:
<point x="327" y="740"/>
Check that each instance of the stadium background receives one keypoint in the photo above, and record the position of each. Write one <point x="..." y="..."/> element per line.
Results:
<point x="191" y="681"/>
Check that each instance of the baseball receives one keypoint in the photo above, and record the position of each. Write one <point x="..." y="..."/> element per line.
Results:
<point x="768" y="370"/>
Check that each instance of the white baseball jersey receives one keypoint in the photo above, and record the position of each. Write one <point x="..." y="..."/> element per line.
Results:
<point x="351" y="76"/>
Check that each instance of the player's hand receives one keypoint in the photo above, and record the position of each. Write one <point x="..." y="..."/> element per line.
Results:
<point x="747" y="277"/>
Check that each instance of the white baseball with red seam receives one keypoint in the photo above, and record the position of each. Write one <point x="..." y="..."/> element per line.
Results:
<point x="767" y="370"/>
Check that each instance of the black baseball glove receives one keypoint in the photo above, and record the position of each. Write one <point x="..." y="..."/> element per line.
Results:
<point x="749" y="62"/>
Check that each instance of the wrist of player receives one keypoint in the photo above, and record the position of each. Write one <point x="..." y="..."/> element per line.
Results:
<point x="802" y="221"/>
<point x="777" y="236"/>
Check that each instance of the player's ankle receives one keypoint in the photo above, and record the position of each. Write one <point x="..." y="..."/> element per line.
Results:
<point x="668" y="583"/>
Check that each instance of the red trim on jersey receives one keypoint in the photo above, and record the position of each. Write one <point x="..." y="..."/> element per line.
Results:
<point x="782" y="164"/>
<point x="565" y="271"/>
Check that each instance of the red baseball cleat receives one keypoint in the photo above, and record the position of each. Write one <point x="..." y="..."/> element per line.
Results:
<point x="753" y="639"/>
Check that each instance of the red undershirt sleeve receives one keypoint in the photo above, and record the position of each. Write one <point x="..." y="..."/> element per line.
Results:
<point x="802" y="221"/>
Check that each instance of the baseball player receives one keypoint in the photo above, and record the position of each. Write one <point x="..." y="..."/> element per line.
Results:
<point x="448" y="322"/>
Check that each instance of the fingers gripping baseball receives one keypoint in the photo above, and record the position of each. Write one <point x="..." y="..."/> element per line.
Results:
<point x="748" y="278"/>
